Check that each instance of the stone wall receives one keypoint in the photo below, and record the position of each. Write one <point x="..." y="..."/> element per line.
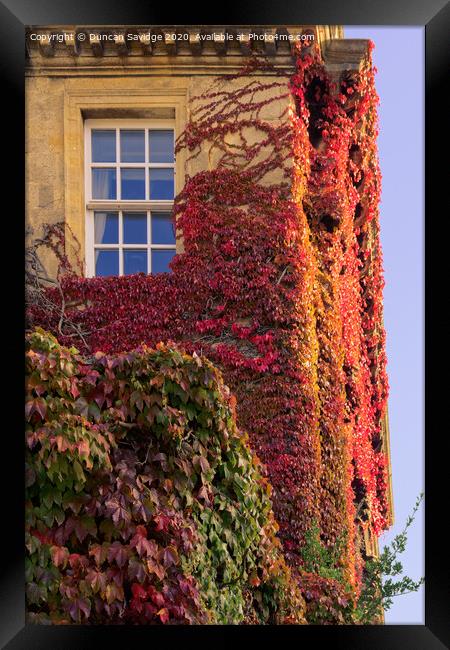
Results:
<point x="71" y="81"/>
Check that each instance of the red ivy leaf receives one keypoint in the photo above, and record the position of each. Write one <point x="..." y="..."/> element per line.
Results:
<point x="79" y="606"/>
<point x="97" y="581"/>
<point x="60" y="555"/>
<point x="118" y="553"/>
<point x="138" y="591"/>
<point x="163" y="614"/>
<point x="156" y="596"/>
<point x="162" y="522"/>
<point x="136" y="570"/>
<point x="38" y="405"/>
<point x="170" y="556"/>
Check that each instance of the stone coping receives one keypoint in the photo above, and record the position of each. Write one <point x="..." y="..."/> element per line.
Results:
<point x="71" y="46"/>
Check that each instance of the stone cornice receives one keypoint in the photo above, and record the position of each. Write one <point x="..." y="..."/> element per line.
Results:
<point x="144" y="49"/>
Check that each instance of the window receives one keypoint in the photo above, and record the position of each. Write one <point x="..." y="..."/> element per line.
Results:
<point x="130" y="187"/>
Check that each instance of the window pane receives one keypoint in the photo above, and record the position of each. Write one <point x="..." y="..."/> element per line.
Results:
<point x="161" y="146"/>
<point x="132" y="146"/>
<point x="132" y="183"/>
<point x="134" y="228"/>
<point x="103" y="145"/>
<point x="103" y="183"/>
<point x="161" y="184"/>
<point x="163" y="228"/>
<point x="161" y="259"/>
<point x="134" y="261"/>
<point x="106" y="263"/>
<point x="106" y="227"/>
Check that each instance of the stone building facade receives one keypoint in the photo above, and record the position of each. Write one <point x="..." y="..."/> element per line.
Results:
<point x="111" y="74"/>
<point x="84" y="81"/>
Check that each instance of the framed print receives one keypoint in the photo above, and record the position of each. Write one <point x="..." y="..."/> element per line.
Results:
<point x="226" y="227"/>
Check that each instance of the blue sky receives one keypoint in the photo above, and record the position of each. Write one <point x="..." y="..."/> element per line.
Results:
<point x="399" y="57"/>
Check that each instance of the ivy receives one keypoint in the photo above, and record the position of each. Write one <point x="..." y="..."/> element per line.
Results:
<point x="320" y="559"/>
<point x="144" y="503"/>
<point x="280" y="286"/>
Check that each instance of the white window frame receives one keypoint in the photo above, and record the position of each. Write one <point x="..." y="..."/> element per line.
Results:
<point x="118" y="205"/>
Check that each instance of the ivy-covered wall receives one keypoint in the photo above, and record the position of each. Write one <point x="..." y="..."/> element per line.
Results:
<point x="280" y="285"/>
<point x="144" y="503"/>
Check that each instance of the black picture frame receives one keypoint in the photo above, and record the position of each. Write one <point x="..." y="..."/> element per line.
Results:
<point x="14" y="16"/>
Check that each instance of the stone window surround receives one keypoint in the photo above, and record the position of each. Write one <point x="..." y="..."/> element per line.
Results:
<point x="129" y="104"/>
